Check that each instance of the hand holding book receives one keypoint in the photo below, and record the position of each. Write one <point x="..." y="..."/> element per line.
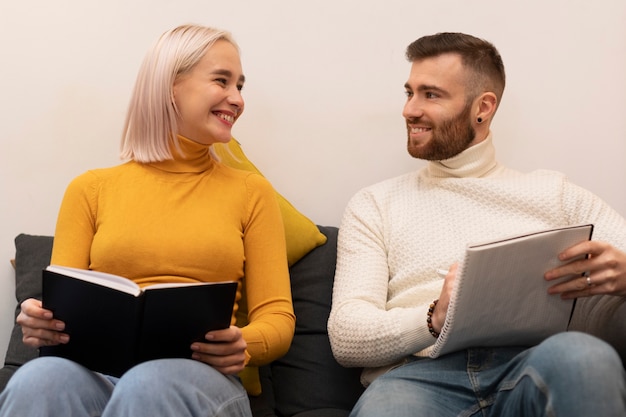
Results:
<point x="500" y="296"/>
<point x="224" y="350"/>
<point x="441" y="307"/>
<point x="39" y="327"/>
<point x="604" y="271"/>
<point x="113" y="324"/>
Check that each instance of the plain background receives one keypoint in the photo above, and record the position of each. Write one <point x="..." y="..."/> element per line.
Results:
<point x="324" y="93"/>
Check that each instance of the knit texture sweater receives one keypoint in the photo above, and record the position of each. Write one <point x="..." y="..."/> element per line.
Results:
<point x="190" y="219"/>
<point x="394" y="236"/>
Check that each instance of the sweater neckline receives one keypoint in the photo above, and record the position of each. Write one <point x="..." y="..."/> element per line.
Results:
<point x="476" y="161"/>
<point x="192" y="157"/>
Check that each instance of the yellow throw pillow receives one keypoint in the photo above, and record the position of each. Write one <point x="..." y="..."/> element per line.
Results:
<point x="301" y="234"/>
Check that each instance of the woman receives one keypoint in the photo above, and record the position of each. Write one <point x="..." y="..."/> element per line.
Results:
<point x="172" y="213"/>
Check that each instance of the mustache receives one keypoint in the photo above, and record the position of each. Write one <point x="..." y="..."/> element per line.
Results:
<point x="415" y="120"/>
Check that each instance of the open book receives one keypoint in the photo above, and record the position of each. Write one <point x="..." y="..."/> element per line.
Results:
<point x="114" y="324"/>
<point x="500" y="297"/>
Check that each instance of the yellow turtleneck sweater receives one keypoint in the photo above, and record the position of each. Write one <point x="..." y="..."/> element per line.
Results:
<point x="189" y="219"/>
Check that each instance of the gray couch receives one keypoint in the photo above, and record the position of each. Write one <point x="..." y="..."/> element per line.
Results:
<point x="306" y="382"/>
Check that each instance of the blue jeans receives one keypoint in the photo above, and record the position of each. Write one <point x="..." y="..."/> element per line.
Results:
<point x="50" y="386"/>
<point x="569" y="374"/>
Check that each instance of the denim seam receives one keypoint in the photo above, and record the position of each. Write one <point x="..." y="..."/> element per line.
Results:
<point x="539" y="383"/>
<point x="233" y="401"/>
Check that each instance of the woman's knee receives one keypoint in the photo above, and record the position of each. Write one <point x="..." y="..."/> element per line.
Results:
<point x="51" y="383"/>
<point x="177" y="387"/>
<point x="39" y="372"/>
<point x="168" y="373"/>
<point x="176" y="377"/>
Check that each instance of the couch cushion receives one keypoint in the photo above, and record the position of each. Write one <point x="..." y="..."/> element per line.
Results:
<point x="32" y="254"/>
<point x="308" y="377"/>
<point x="603" y="316"/>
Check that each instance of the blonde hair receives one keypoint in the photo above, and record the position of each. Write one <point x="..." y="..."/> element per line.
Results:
<point x="151" y="127"/>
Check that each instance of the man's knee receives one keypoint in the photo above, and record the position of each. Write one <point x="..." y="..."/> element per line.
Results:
<point x="578" y="354"/>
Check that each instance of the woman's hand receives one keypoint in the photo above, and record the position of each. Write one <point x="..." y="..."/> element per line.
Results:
<point x="224" y="350"/>
<point x="39" y="328"/>
<point x="603" y="272"/>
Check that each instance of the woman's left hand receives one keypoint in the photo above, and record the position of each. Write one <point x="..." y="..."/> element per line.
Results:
<point x="224" y="350"/>
<point x="603" y="272"/>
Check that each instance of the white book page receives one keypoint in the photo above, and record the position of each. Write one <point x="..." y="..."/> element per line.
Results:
<point x="500" y="296"/>
<point x="172" y="285"/>
<point x="101" y="278"/>
<point x="179" y="284"/>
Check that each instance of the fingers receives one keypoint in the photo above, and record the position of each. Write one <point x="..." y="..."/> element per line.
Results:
<point x="582" y="286"/>
<point x="38" y="326"/>
<point x="32" y="307"/>
<point x="227" y="365"/>
<point x="39" y="338"/>
<point x="602" y="272"/>
<point x="225" y="350"/>
<point x="605" y="281"/>
<point x="579" y="259"/>
<point x="588" y="247"/>
<point x="441" y="310"/>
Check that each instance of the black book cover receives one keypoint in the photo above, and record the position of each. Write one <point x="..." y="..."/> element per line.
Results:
<point x="111" y="330"/>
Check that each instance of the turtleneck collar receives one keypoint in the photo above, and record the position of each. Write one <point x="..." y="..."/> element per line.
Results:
<point x="474" y="162"/>
<point x="192" y="157"/>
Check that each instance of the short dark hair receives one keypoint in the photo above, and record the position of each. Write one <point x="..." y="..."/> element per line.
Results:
<point x="478" y="55"/>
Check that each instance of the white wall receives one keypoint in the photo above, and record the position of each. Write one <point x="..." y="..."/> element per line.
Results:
<point x="324" y="92"/>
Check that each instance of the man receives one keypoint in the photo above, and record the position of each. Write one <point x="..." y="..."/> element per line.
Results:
<point x="395" y="235"/>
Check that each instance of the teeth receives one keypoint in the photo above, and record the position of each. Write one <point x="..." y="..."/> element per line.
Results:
<point x="228" y="118"/>
<point x="419" y="129"/>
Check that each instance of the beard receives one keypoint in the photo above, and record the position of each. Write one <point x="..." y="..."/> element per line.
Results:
<point x="448" y="138"/>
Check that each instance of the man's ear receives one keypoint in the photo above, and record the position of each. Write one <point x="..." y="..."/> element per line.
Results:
<point x="486" y="105"/>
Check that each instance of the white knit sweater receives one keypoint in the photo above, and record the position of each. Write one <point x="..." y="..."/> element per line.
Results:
<point x="395" y="235"/>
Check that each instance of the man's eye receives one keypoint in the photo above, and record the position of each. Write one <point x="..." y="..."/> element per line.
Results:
<point x="431" y="95"/>
<point x="239" y="87"/>
<point x="408" y="93"/>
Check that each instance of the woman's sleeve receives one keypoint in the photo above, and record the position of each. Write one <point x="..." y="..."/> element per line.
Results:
<point x="75" y="225"/>
<point x="271" y="320"/>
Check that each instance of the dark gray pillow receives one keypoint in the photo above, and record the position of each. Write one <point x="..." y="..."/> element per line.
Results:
<point x="32" y="254"/>
<point x="308" y="378"/>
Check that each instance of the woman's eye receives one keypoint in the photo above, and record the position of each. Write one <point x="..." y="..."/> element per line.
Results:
<point x="239" y="87"/>
<point x="408" y="93"/>
<point x="221" y="80"/>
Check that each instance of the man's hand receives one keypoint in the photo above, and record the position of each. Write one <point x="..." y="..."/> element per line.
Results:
<point x="441" y="309"/>
<point x="603" y="272"/>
